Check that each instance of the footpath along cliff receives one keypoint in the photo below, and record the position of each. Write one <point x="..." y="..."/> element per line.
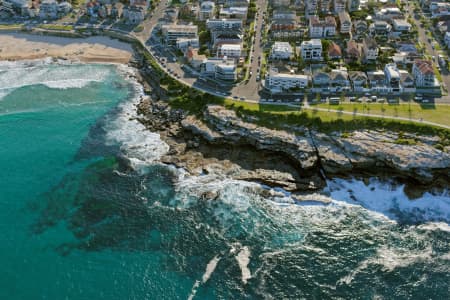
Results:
<point x="220" y="141"/>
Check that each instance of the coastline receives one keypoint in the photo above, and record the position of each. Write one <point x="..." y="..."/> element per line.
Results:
<point x="22" y="46"/>
<point x="190" y="147"/>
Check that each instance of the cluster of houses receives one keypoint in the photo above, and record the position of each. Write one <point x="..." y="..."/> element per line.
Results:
<point x="390" y="80"/>
<point x="225" y="22"/>
<point x="133" y="13"/>
<point x="44" y="9"/>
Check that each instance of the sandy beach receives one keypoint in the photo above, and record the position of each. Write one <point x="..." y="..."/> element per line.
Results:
<point x="18" y="46"/>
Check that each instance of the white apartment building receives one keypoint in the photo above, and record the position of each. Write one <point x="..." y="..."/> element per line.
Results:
<point x="184" y="43"/>
<point x="224" y="24"/>
<point x="281" y="50"/>
<point x="423" y="73"/>
<point x="174" y="32"/>
<point x="322" y="28"/>
<point x="234" y="12"/>
<point x="230" y="50"/>
<point x="392" y="76"/>
<point x="279" y="82"/>
<point x="220" y="68"/>
<point x="311" y="50"/>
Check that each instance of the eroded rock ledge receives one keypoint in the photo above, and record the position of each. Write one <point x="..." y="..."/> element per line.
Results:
<point x="223" y="142"/>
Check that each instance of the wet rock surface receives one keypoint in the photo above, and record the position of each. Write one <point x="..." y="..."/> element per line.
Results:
<point x="221" y="142"/>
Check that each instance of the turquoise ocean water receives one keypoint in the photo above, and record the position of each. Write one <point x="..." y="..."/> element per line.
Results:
<point x="86" y="212"/>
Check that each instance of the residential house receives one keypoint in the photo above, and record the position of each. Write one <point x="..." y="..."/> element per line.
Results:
<point x="48" y="9"/>
<point x="174" y="32"/>
<point x="322" y="28"/>
<point x="311" y="7"/>
<point x="447" y="39"/>
<point x="281" y="3"/>
<point x="339" y="6"/>
<point x="321" y="79"/>
<point x="285" y="25"/>
<point x="358" y="80"/>
<point x="339" y="80"/>
<point x="439" y="9"/>
<point x="423" y="73"/>
<point x="360" y="26"/>
<point x="230" y="3"/>
<point x="193" y="58"/>
<point x="281" y="50"/>
<point x="353" y="5"/>
<point x="233" y="12"/>
<point x="334" y="51"/>
<point x="230" y="50"/>
<point x="325" y="6"/>
<point x="406" y="81"/>
<point x="354" y="50"/>
<point x="401" y="25"/>
<point x="389" y="13"/>
<point x="206" y="10"/>
<point x="377" y="81"/>
<point x="311" y="50"/>
<point x="345" y="22"/>
<point x="380" y="28"/>
<point x="392" y="77"/>
<point x="281" y="82"/>
<point x="133" y="14"/>
<point x="370" y="49"/>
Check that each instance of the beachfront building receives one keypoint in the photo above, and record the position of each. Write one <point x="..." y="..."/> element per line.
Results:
<point x="281" y="50"/>
<point x="282" y="82"/>
<point x="423" y="73"/>
<point x="219" y="68"/>
<point x="392" y="77"/>
<point x="173" y="32"/>
<point x="311" y="50"/>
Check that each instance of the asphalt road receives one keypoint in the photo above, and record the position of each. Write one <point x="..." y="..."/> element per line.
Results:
<point x="251" y="88"/>
<point x="423" y="39"/>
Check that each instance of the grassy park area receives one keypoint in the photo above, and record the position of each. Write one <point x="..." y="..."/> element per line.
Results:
<point x="437" y="113"/>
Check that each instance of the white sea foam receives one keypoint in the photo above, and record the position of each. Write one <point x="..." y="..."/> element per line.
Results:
<point x="210" y="267"/>
<point x="391" y="201"/>
<point x="14" y="75"/>
<point x="138" y="144"/>
<point x="243" y="259"/>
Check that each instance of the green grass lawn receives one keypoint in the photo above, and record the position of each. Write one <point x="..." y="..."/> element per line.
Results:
<point x="429" y="112"/>
<point x="11" y="27"/>
<point x="56" y="27"/>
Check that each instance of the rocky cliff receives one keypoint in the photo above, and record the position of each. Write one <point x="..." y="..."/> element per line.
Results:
<point x="300" y="161"/>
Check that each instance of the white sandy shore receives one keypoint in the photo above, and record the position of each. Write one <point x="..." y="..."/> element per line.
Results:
<point x="19" y="46"/>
